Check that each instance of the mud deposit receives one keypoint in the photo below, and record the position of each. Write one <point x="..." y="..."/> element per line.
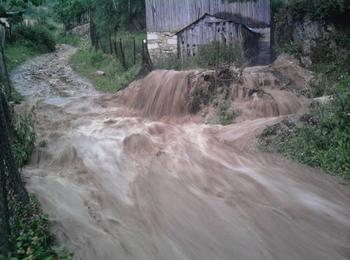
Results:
<point x="120" y="182"/>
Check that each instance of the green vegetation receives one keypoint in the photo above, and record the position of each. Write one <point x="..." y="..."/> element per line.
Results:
<point x="23" y="144"/>
<point x="226" y="114"/>
<point x="209" y="56"/>
<point x="17" y="53"/>
<point x="25" y="228"/>
<point x="322" y="137"/>
<point x="36" y="36"/>
<point x="29" y="227"/>
<point x="318" y="9"/>
<point x="323" y="140"/>
<point x="30" y="233"/>
<point x="62" y="38"/>
<point x="26" y="42"/>
<point x="88" y="61"/>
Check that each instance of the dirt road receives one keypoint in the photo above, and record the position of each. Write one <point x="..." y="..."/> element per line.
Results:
<point x="118" y="186"/>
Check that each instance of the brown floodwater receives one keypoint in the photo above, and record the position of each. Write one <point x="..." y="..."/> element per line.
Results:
<point x="134" y="176"/>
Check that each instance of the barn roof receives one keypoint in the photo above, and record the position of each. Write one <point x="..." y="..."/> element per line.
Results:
<point x="217" y="17"/>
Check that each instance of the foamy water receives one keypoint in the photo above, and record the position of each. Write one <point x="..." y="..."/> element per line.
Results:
<point x="119" y="182"/>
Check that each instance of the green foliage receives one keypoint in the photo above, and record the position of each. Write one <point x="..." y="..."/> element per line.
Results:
<point x="209" y="56"/>
<point x="87" y="61"/>
<point x="23" y="144"/>
<point x="30" y="233"/>
<point x="226" y="114"/>
<point x="69" y="12"/>
<point x="290" y="47"/>
<point x="17" y="53"/>
<point x="314" y="9"/>
<point x="36" y="37"/>
<point x="15" y="97"/>
<point x="109" y="14"/>
<point x="277" y="4"/>
<point x="325" y="142"/>
<point x="13" y="5"/>
<point x="70" y="39"/>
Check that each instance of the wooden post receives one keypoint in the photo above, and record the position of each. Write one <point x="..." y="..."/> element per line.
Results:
<point x="3" y="68"/>
<point x="122" y="55"/>
<point x="115" y="46"/>
<point x="134" y="43"/>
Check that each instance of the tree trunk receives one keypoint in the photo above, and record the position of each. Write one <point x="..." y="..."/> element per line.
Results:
<point x="122" y="54"/>
<point x="4" y="224"/>
<point x="4" y="77"/>
<point x="14" y="176"/>
<point x="93" y="32"/>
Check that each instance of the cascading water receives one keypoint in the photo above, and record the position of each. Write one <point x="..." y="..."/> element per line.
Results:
<point x="126" y="177"/>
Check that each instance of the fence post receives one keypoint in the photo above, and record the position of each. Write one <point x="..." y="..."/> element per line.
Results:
<point x="134" y="42"/>
<point x="122" y="55"/>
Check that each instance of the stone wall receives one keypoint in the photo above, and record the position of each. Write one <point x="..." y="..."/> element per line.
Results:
<point x="161" y="44"/>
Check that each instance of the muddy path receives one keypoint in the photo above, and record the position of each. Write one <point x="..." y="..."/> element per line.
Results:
<point x="119" y="186"/>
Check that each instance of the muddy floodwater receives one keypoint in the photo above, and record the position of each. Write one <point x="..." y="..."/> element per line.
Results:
<point x="119" y="181"/>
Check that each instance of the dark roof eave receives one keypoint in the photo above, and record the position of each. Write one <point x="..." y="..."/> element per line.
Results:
<point x="206" y="14"/>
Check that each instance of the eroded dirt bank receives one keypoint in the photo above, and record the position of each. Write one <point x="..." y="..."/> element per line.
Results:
<point x="118" y="184"/>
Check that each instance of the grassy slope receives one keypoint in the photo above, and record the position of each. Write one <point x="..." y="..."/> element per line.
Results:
<point x="87" y="61"/>
<point x="17" y="53"/>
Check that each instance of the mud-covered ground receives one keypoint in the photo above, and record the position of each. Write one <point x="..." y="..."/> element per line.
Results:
<point x="121" y="177"/>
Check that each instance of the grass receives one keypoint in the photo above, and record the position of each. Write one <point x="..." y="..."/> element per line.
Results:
<point x="226" y="114"/>
<point x="323" y="140"/>
<point x="209" y="56"/>
<point x="88" y="61"/>
<point x="17" y="53"/>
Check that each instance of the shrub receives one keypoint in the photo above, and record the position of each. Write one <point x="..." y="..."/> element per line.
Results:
<point x="30" y="232"/>
<point x="226" y="114"/>
<point x="36" y="36"/>
<point x="318" y="9"/>
<point x="25" y="136"/>
<point x="325" y="142"/>
<point x="209" y="56"/>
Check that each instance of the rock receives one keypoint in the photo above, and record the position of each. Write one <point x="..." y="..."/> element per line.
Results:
<point x="322" y="100"/>
<point x="100" y="73"/>
<point x="289" y="70"/>
<point x="80" y="30"/>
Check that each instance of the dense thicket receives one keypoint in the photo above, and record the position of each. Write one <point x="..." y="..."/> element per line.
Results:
<point x="106" y="17"/>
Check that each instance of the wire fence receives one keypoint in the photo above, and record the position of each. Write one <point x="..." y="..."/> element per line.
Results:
<point x="128" y="51"/>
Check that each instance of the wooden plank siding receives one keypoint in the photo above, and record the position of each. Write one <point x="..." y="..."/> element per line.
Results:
<point x="210" y="29"/>
<point x="173" y="15"/>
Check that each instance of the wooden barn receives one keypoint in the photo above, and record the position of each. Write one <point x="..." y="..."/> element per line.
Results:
<point x="182" y="26"/>
<point x="210" y="28"/>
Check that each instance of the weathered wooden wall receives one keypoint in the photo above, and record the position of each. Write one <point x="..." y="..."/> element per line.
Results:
<point x="173" y="15"/>
<point x="212" y="29"/>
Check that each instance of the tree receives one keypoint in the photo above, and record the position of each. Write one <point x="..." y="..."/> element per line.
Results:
<point x="7" y="7"/>
<point x="106" y="16"/>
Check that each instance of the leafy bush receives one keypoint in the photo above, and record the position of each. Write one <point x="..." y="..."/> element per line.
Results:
<point x="226" y="114"/>
<point x="325" y="142"/>
<point x="30" y="233"/>
<point x="318" y="9"/>
<point x="36" y="36"/>
<point x="25" y="136"/>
